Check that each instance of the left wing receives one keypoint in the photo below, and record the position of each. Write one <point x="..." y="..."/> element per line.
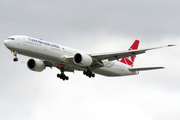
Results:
<point x="117" y="55"/>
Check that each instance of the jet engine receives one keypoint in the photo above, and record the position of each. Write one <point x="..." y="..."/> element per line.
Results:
<point x="82" y="59"/>
<point x="36" y="65"/>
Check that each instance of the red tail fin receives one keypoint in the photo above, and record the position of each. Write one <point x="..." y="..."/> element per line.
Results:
<point x="130" y="60"/>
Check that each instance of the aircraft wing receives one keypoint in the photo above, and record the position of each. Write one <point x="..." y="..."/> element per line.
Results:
<point x="145" y="68"/>
<point x="117" y="55"/>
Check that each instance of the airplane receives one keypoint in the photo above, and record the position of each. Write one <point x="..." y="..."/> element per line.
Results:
<point x="47" y="54"/>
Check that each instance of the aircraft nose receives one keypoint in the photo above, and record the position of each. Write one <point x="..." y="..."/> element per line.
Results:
<point x="6" y="43"/>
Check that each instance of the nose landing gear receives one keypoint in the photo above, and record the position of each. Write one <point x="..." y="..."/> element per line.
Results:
<point x="15" y="54"/>
<point x="15" y="59"/>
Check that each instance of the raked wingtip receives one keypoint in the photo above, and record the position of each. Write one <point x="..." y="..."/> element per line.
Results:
<point x="170" y="45"/>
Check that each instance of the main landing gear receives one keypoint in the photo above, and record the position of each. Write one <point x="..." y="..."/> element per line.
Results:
<point x="15" y="54"/>
<point x="62" y="76"/>
<point x="89" y="73"/>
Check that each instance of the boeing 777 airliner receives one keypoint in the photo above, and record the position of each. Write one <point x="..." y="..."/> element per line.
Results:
<point x="46" y="54"/>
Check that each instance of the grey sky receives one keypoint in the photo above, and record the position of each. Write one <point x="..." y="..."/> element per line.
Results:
<point x="92" y="26"/>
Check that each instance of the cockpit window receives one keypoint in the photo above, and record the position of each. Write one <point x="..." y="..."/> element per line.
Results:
<point x="10" y="38"/>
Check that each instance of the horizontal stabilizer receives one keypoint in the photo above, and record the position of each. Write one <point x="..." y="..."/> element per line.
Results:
<point x="145" y="68"/>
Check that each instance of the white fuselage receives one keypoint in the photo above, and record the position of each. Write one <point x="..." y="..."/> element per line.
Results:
<point x="55" y="54"/>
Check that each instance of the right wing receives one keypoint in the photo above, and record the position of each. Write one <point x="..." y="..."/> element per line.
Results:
<point x="117" y="55"/>
<point x="145" y="68"/>
<point x="97" y="58"/>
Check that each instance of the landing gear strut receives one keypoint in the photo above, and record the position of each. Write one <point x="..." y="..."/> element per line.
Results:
<point x="15" y="54"/>
<point x="62" y="76"/>
<point x="89" y="73"/>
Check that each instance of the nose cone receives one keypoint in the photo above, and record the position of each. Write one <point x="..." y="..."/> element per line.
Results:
<point x="6" y="43"/>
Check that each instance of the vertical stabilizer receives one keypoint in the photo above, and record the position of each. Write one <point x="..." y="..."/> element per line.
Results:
<point x="130" y="60"/>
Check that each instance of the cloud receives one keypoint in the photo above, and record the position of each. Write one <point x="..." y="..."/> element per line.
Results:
<point x="142" y="19"/>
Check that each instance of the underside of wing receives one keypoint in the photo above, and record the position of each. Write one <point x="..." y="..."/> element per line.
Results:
<point x="48" y="64"/>
<point x="59" y="66"/>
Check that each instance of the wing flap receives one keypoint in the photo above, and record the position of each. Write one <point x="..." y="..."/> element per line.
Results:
<point x="145" y="68"/>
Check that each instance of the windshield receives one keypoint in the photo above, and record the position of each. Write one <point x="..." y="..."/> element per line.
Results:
<point x="10" y="38"/>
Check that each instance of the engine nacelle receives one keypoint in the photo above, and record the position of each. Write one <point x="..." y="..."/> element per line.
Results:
<point x="82" y="59"/>
<point x="36" y="65"/>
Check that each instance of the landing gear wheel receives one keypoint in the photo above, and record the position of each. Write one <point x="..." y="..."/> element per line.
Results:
<point x="15" y="59"/>
<point x="58" y="75"/>
<point x="63" y="76"/>
<point x="67" y="78"/>
<point x="93" y="75"/>
<point x="84" y="72"/>
<point x="89" y="73"/>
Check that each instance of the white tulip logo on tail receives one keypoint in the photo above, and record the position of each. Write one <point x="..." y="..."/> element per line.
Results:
<point x="130" y="60"/>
